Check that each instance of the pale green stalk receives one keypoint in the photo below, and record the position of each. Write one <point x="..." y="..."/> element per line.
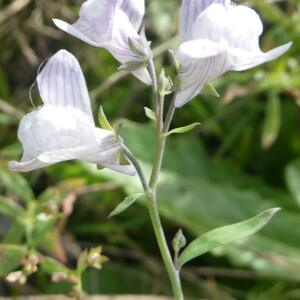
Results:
<point x="158" y="102"/>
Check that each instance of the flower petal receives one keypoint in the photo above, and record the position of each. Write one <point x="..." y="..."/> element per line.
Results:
<point x="234" y="26"/>
<point x="53" y="128"/>
<point x="201" y="61"/>
<point x="190" y="10"/>
<point x="244" y="60"/>
<point x="124" y="169"/>
<point x="71" y="29"/>
<point x="27" y="166"/>
<point x="55" y="156"/>
<point x="61" y="83"/>
<point x="95" y="21"/>
<point x="135" y="10"/>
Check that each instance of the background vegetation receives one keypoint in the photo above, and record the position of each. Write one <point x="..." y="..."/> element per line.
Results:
<point x="243" y="159"/>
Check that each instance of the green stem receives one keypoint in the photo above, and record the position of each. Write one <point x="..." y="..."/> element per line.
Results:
<point x="158" y="101"/>
<point x="150" y="189"/>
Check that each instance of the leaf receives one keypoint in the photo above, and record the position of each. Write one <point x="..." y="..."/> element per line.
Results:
<point x="82" y="262"/>
<point x="16" y="183"/>
<point x="10" y="208"/>
<point x="150" y="113"/>
<point x="50" y="266"/>
<point x="10" y="258"/>
<point x="42" y="226"/>
<point x="272" y="122"/>
<point x="137" y="48"/>
<point x="225" y="235"/>
<point x="104" y="123"/>
<point x="183" y="129"/>
<point x="202" y="194"/>
<point x="128" y="201"/>
<point x="209" y="89"/>
<point x="292" y="177"/>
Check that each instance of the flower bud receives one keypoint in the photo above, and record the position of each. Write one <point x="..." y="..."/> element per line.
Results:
<point x="179" y="241"/>
<point x="165" y="83"/>
<point x="17" y="276"/>
<point x="95" y="259"/>
<point x="59" y="277"/>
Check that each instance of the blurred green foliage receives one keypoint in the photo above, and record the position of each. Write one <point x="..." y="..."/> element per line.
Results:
<point x="242" y="160"/>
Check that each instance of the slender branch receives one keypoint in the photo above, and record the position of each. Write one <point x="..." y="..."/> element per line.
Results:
<point x="138" y="168"/>
<point x="170" y="115"/>
<point x="161" y="145"/>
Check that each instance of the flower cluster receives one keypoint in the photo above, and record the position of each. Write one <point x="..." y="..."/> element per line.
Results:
<point x="216" y="36"/>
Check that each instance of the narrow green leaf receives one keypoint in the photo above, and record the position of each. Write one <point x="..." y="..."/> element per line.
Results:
<point x="10" y="258"/>
<point x="17" y="184"/>
<point x="183" y="129"/>
<point x="9" y="208"/>
<point x="292" y="178"/>
<point x="150" y="113"/>
<point x="209" y="89"/>
<point x="136" y="48"/>
<point x="272" y="122"/>
<point x="128" y="201"/>
<point x="104" y="123"/>
<point x="82" y="262"/>
<point x="225" y="235"/>
<point x="50" y="266"/>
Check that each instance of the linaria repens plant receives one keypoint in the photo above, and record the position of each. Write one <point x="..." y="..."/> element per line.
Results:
<point x="216" y="36"/>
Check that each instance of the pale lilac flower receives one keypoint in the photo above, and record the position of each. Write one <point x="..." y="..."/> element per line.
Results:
<point x="110" y="24"/>
<point x="217" y="36"/>
<point x="63" y="128"/>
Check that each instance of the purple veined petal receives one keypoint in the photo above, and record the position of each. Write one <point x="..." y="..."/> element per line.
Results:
<point x="27" y="166"/>
<point x="135" y="10"/>
<point x="206" y="70"/>
<point x="95" y="22"/>
<point x="244" y="61"/>
<point x="61" y="83"/>
<point x="72" y="30"/>
<point x="201" y="61"/>
<point x="123" y="169"/>
<point x="190" y="10"/>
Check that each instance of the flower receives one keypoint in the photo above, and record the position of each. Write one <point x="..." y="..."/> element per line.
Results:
<point x="63" y="128"/>
<point x="112" y="24"/>
<point x="217" y="36"/>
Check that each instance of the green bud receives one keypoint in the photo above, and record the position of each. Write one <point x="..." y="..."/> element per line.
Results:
<point x="174" y="59"/>
<point x="179" y="241"/>
<point x="165" y="84"/>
